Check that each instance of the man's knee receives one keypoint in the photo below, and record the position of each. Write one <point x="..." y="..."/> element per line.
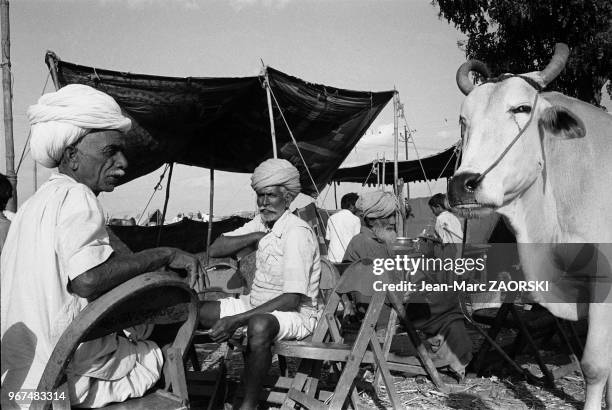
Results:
<point x="261" y="330"/>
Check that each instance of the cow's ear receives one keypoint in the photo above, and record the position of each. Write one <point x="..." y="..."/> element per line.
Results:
<point x="562" y="123"/>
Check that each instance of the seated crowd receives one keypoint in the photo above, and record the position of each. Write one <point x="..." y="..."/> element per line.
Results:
<point x="57" y="257"/>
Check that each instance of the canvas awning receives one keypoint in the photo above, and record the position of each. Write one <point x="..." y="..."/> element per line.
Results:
<point x="224" y="123"/>
<point x="441" y="165"/>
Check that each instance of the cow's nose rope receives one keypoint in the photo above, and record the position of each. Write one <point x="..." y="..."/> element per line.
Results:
<point x="503" y="154"/>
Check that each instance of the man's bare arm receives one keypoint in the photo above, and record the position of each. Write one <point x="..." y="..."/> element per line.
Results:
<point x="121" y="268"/>
<point x="229" y="245"/>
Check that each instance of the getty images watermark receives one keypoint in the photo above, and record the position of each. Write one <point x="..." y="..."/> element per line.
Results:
<point x="458" y="266"/>
<point x="547" y="272"/>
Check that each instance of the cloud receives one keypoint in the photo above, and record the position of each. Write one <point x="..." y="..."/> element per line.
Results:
<point x="139" y="4"/>
<point x="238" y="5"/>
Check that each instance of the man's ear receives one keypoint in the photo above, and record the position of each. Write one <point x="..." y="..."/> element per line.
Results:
<point x="70" y="157"/>
<point x="561" y="123"/>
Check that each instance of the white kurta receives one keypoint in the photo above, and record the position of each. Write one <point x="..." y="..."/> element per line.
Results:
<point x="341" y="227"/>
<point x="448" y="228"/>
<point x="57" y="235"/>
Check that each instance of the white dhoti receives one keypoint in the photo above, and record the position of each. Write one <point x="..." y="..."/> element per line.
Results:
<point x="114" y="369"/>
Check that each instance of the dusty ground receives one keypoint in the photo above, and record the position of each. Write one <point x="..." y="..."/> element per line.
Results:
<point x="503" y="389"/>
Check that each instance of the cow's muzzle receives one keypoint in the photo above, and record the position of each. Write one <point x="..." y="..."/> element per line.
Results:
<point x="461" y="188"/>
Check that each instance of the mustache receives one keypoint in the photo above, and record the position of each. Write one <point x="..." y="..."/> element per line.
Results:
<point x="120" y="173"/>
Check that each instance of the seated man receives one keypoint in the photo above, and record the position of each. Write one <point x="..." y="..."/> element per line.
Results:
<point x="283" y="300"/>
<point x="58" y="256"/>
<point x="440" y="319"/>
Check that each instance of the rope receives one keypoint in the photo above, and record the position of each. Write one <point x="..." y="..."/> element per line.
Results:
<point x="503" y="154"/>
<point x="27" y="144"/>
<point x="447" y="162"/>
<point x="371" y="170"/>
<point x="303" y="161"/>
<point x="156" y="188"/>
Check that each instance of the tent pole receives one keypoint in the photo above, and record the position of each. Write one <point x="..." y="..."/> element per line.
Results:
<point x="396" y="188"/>
<point x="384" y="178"/>
<point x="51" y="59"/>
<point x="7" y="91"/>
<point x="163" y="218"/>
<point x="377" y="172"/>
<point x="395" y="140"/>
<point x="270" y="113"/>
<point x="406" y="146"/>
<point x="211" y="199"/>
<point x="335" y="196"/>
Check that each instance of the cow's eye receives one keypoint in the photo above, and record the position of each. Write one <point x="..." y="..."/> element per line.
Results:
<point x="521" y="109"/>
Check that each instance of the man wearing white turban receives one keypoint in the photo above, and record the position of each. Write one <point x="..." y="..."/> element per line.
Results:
<point x="440" y="319"/>
<point x="58" y="256"/>
<point x="283" y="300"/>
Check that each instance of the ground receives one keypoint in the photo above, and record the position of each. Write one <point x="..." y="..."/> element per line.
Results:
<point x="501" y="390"/>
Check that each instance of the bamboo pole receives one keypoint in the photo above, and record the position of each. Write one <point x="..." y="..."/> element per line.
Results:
<point x="395" y="140"/>
<point x="270" y="113"/>
<point x="335" y="195"/>
<point x="211" y="198"/>
<point x="167" y="198"/>
<point x="406" y="147"/>
<point x="8" y="103"/>
<point x="396" y="187"/>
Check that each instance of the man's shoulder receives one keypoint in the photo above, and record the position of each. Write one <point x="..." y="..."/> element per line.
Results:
<point x="294" y="221"/>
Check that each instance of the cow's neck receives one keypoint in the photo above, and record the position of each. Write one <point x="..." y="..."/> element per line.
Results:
<point x="533" y="219"/>
<point x="533" y="215"/>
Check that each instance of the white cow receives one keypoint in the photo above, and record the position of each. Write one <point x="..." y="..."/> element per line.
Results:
<point x="547" y="169"/>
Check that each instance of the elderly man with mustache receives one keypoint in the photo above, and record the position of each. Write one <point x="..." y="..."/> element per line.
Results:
<point x="58" y="256"/>
<point x="283" y="300"/>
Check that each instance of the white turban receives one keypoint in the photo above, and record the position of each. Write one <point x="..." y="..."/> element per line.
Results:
<point x="276" y="172"/>
<point x="377" y="204"/>
<point x="60" y="118"/>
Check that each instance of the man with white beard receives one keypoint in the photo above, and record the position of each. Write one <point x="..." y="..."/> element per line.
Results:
<point x="438" y="315"/>
<point x="378" y="210"/>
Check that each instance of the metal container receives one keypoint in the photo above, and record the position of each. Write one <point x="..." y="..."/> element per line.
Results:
<point x="403" y="246"/>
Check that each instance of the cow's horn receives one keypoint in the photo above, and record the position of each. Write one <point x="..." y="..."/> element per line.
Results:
<point x="463" y="79"/>
<point x="556" y="65"/>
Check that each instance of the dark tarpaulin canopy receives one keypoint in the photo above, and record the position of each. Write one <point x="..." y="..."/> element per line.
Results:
<point x="441" y="165"/>
<point x="223" y="123"/>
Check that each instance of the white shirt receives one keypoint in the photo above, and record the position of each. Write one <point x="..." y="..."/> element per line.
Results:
<point x="287" y="261"/>
<point x="341" y="227"/>
<point x="56" y="235"/>
<point x="448" y="228"/>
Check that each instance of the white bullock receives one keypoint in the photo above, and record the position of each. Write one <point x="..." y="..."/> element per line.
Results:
<point x="547" y="169"/>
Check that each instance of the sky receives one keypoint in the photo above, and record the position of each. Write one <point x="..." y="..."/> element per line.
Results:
<point x="371" y="45"/>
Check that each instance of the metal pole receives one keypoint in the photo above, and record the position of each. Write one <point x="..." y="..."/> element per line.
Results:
<point x="270" y="113"/>
<point x="8" y="103"/>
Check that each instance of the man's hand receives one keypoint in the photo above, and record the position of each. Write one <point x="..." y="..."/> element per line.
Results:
<point x="189" y="263"/>
<point x="224" y="329"/>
